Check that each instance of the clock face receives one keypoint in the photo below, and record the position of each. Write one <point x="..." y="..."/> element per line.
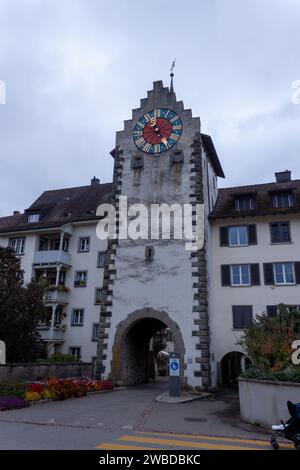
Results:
<point x="157" y="131"/>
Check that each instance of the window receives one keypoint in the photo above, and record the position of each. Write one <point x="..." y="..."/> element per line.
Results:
<point x="240" y="275"/>
<point x="238" y="236"/>
<point x="33" y="218"/>
<point x="280" y="232"/>
<point x="242" y="235"/>
<point x="149" y="253"/>
<point x="244" y="203"/>
<point x="101" y="259"/>
<point x="54" y="244"/>
<point x="80" y="279"/>
<point x="242" y="316"/>
<point x="18" y="245"/>
<point x="95" y="331"/>
<point x="284" y="273"/>
<point x="137" y="162"/>
<point x="77" y="317"/>
<point x="98" y="295"/>
<point x="282" y="199"/>
<point x="75" y="351"/>
<point x="84" y="244"/>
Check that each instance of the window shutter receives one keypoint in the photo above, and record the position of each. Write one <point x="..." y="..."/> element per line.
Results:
<point x="252" y="237"/>
<point x="225" y="275"/>
<point x="271" y="310"/>
<point x="297" y="271"/>
<point x="268" y="274"/>
<point x="224" y="236"/>
<point x="255" y="275"/>
<point x="237" y="317"/>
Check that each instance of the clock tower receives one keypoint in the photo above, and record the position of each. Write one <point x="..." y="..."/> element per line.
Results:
<point x="151" y="283"/>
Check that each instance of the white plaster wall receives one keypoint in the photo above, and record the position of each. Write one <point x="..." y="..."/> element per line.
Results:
<point x="166" y="282"/>
<point x="223" y="337"/>
<point x="83" y="297"/>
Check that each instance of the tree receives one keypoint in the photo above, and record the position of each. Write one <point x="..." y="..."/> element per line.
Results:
<point x="268" y="341"/>
<point x="21" y="310"/>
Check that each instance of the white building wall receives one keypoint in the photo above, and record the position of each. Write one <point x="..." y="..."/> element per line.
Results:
<point x="223" y="336"/>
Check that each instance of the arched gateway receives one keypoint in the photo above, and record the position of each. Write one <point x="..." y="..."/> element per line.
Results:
<point x="130" y="363"/>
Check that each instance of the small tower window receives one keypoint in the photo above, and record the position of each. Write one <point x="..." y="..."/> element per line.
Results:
<point x="149" y="253"/>
<point x="176" y="157"/>
<point x="137" y="162"/>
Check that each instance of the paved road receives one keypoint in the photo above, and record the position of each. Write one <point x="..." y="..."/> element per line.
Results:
<point x="129" y="418"/>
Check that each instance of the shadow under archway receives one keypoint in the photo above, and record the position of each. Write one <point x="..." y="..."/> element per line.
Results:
<point x="130" y="364"/>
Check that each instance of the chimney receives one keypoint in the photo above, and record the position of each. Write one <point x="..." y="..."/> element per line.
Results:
<point x="283" y="176"/>
<point x="16" y="213"/>
<point x="95" y="181"/>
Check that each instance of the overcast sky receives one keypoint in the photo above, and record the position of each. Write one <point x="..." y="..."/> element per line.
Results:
<point x="74" y="69"/>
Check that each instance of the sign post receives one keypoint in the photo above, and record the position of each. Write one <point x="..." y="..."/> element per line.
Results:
<point x="174" y="375"/>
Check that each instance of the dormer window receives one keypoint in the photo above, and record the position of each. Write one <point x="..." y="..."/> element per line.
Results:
<point x="34" y="217"/>
<point x="282" y="199"/>
<point x="244" y="203"/>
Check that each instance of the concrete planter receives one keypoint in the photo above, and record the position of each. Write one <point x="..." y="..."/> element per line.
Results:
<point x="263" y="402"/>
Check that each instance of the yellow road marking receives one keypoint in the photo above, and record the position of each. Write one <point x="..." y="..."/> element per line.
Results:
<point x="216" y="438"/>
<point x="178" y="443"/>
<point x="111" y="446"/>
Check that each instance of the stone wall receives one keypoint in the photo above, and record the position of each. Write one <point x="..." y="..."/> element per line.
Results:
<point x="33" y="371"/>
<point x="265" y="402"/>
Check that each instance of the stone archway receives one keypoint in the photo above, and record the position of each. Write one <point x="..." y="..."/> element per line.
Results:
<point x="232" y="365"/>
<point x="131" y="344"/>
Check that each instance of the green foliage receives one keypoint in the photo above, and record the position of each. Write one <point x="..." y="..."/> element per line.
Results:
<point x="290" y="374"/>
<point x="21" y="310"/>
<point x="268" y="343"/>
<point x="59" y="357"/>
<point x="14" y="389"/>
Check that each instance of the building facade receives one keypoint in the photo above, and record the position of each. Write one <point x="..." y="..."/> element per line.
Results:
<point x="248" y="263"/>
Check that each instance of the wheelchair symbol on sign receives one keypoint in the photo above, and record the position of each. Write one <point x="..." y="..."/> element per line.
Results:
<point x="174" y="366"/>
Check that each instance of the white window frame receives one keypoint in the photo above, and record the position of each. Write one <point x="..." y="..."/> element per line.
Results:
<point x="79" y="319"/>
<point x="84" y="244"/>
<point x="101" y="290"/>
<point x="32" y="218"/>
<point x="81" y="278"/>
<point x="238" y="235"/>
<point x="276" y="196"/>
<point x="94" y="326"/>
<point x="103" y="253"/>
<point x="238" y="203"/>
<point x="18" y="245"/>
<point x="240" y="284"/>
<point x="284" y="283"/>
<point x="75" y="355"/>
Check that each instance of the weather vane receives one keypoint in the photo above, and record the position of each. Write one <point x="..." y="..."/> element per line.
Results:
<point x="172" y="75"/>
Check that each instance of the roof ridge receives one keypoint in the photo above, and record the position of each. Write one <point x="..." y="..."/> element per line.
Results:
<point x="258" y="184"/>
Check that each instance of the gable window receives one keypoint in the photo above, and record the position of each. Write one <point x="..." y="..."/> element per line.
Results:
<point x="244" y="203"/>
<point x="101" y="259"/>
<point x="98" y="295"/>
<point x="284" y="273"/>
<point x="280" y="232"/>
<point x="84" y="244"/>
<point x="77" y="317"/>
<point x="238" y="236"/>
<point x="242" y="316"/>
<point x="75" y="351"/>
<point x="80" y="279"/>
<point x="240" y="274"/>
<point x="18" y="245"/>
<point x="95" y="331"/>
<point x="35" y="217"/>
<point x="282" y="199"/>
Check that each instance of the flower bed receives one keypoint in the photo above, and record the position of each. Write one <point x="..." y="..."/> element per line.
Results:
<point x="61" y="389"/>
<point x="18" y="395"/>
<point x="10" y="403"/>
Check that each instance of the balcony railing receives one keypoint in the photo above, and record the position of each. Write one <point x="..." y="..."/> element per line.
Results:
<point x="52" y="257"/>
<point x="55" y="334"/>
<point x="56" y="296"/>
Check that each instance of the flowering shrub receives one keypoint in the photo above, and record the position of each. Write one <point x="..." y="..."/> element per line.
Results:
<point x="10" y="403"/>
<point x="32" y="396"/>
<point x="37" y="387"/>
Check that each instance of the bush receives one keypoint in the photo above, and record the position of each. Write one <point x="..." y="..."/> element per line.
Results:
<point x="290" y="374"/>
<point x="32" y="396"/>
<point x="59" y="357"/>
<point x="16" y="389"/>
